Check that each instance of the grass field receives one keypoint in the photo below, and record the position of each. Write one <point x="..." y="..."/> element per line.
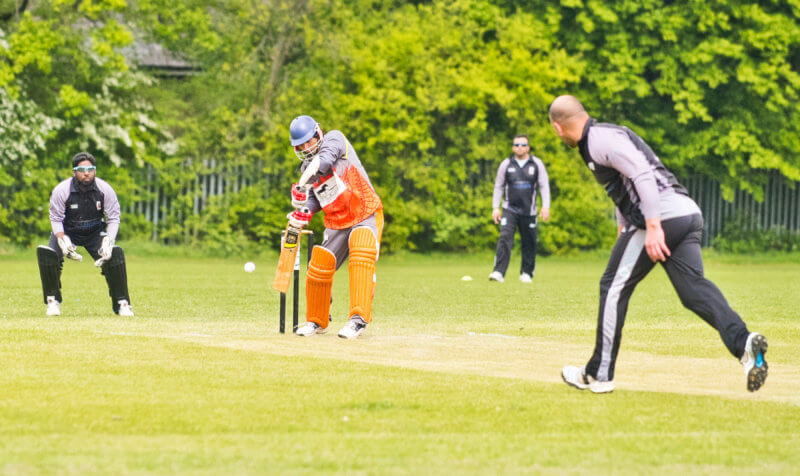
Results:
<point x="452" y="377"/>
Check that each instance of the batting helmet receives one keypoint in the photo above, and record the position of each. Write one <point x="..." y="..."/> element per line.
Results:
<point x="301" y="130"/>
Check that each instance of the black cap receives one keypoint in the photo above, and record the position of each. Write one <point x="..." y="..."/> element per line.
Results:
<point x="80" y="157"/>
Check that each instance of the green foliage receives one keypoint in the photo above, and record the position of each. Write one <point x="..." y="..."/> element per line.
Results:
<point x="65" y="87"/>
<point x="742" y="235"/>
<point x="431" y="96"/>
<point x="429" y="93"/>
<point x="712" y="86"/>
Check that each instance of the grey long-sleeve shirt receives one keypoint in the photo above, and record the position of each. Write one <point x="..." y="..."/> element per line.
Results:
<point x="58" y="203"/>
<point x="633" y="176"/>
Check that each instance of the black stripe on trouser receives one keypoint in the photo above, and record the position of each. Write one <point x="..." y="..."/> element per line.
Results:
<point x="685" y="270"/>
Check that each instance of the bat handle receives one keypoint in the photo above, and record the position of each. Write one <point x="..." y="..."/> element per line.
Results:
<point x="304" y="190"/>
<point x="311" y="169"/>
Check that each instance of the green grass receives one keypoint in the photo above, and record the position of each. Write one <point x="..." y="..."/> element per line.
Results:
<point x="201" y="383"/>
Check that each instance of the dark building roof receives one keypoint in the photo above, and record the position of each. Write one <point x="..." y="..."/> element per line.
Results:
<point x="158" y="59"/>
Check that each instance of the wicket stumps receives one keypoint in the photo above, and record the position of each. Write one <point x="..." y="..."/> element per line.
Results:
<point x="296" y="286"/>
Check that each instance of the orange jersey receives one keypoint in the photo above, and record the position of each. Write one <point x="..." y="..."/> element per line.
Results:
<point x="342" y="189"/>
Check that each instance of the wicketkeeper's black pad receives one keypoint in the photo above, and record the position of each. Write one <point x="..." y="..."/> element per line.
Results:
<point x="116" y="277"/>
<point x="50" y="272"/>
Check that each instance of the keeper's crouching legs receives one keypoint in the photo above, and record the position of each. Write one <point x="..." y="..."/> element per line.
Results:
<point x="363" y="254"/>
<point x="50" y="272"/>
<point x="319" y="281"/>
<point x="116" y="276"/>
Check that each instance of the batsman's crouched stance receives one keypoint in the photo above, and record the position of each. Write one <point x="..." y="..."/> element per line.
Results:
<point x="84" y="211"/>
<point x="361" y="244"/>
<point x="341" y="189"/>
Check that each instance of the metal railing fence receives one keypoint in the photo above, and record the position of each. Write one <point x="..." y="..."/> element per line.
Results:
<point x="780" y="207"/>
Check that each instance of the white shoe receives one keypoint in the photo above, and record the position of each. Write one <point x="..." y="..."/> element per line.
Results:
<point x="496" y="276"/>
<point x="354" y="327"/>
<point x="575" y="377"/>
<point x="526" y="278"/>
<point x="125" y="308"/>
<point x="53" y="306"/>
<point x="755" y="366"/>
<point x="309" y="329"/>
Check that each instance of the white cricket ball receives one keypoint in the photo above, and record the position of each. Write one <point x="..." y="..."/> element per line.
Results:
<point x="249" y="267"/>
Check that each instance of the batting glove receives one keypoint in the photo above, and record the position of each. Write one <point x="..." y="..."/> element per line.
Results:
<point x="299" y="218"/>
<point x="68" y="249"/>
<point x="105" y="251"/>
<point x="299" y="196"/>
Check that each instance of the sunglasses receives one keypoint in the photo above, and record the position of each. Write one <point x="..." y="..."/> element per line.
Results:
<point x="85" y="168"/>
<point x="520" y="145"/>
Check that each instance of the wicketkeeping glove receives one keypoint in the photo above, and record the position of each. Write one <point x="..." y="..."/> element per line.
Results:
<point x="299" y="196"/>
<point x="105" y="251"/>
<point x="299" y="218"/>
<point x="68" y="249"/>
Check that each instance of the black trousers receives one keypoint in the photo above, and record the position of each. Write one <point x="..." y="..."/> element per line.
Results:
<point x="528" y="233"/>
<point x="629" y="264"/>
<point x="116" y="275"/>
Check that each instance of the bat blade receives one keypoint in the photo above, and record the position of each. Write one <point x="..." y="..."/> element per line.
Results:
<point x="283" y="274"/>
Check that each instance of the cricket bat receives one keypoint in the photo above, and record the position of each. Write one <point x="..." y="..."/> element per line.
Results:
<point x="291" y="242"/>
<point x="283" y="275"/>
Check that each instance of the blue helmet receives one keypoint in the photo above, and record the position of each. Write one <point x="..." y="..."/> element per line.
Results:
<point x="301" y="130"/>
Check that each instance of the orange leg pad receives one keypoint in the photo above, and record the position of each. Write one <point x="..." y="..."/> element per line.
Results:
<point x="363" y="253"/>
<point x="319" y="281"/>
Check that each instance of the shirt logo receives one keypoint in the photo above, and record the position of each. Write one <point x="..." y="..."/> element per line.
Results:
<point x="530" y="170"/>
<point x="328" y="191"/>
<point x="99" y="205"/>
<point x="74" y="206"/>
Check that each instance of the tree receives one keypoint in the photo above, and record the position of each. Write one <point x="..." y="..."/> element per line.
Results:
<point x="713" y="86"/>
<point x="66" y="87"/>
<point x="430" y="96"/>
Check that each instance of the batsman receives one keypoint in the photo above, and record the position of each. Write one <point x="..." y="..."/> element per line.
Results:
<point x="353" y="217"/>
<point x="84" y="211"/>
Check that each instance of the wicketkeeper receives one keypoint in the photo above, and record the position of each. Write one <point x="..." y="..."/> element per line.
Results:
<point x="341" y="189"/>
<point x="84" y="211"/>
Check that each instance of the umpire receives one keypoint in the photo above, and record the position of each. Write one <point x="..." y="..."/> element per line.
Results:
<point x="84" y="211"/>
<point x="519" y="177"/>
<point x="657" y="223"/>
